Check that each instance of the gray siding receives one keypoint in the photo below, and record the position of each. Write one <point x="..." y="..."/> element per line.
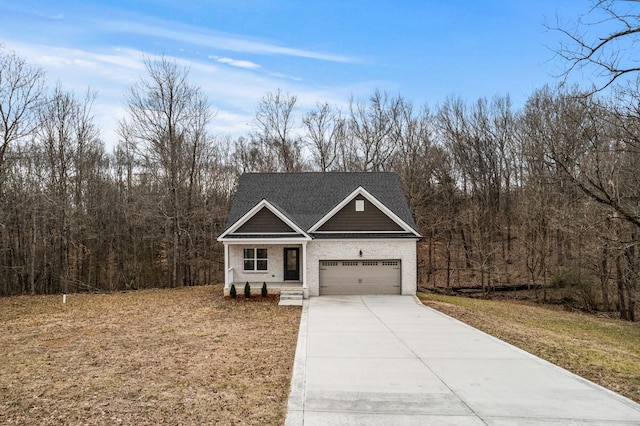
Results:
<point x="371" y="219"/>
<point x="264" y="221"/>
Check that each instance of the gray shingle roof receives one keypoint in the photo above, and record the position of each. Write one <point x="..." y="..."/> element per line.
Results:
<point x="306" y="197"/>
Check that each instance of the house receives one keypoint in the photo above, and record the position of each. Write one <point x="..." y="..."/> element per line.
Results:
<point x="323" y="233"/>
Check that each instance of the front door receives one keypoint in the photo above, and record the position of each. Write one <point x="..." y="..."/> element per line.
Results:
<point x="292" y="264"/>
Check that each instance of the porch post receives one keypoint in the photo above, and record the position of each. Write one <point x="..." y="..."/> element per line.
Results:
<point x="304" y="265"/>
<point x="226" y="266"/>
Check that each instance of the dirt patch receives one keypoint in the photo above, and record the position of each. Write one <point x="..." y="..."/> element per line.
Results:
<point x="182" y="356"/>
<point x="603" y="350"/>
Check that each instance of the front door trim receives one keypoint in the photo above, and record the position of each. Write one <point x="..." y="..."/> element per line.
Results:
<point x="291" y="264"/>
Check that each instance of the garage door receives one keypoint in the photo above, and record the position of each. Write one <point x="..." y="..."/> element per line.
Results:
<point x="359" y="277"/>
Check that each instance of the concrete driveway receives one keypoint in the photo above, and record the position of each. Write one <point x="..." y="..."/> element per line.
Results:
<point x="387" y="360"/>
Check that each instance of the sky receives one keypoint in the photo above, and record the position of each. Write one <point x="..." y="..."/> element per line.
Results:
<point x="237" y="51"/>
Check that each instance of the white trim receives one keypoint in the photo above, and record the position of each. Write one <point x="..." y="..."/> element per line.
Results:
<point x="373" y="200"/>
<point x="285" y="241"/>
<point x="256" y="209"/>
<point x="304" y="266"/>
<point x="266" y="233"/>
<point x="263" y="241"/>
<point x="228" y="272"/>
<point x="360" y="232"/>
<point x="255" y="259"/>
<point x="368" y="240"/>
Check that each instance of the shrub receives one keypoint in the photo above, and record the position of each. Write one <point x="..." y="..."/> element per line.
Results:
<point x="263" y="292"/>
<point x="232" y="291"/>
<point x="247" y="290"/>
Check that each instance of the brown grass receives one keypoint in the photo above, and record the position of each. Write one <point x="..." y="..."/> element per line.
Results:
<point x="603" y="350"/>
<point x="182" y="356"/>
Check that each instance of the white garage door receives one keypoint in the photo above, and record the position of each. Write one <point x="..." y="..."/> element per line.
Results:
<point x="359" y="277"/>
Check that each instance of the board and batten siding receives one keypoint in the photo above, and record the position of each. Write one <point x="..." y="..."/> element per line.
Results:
<point x="264" y="221"/>
<point x="348" y="219"/>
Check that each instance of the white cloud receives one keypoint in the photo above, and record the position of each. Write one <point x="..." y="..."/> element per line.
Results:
<point x="116" y="63"/>
<point x="84" y="63"/>
<point x="236" y="62"/>
<point x="228" y="122"/>
<point x="217" y="40"/>
<point x="233" y="91"/>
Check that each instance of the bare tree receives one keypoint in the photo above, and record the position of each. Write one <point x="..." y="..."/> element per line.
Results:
<point x="423" y="168"/>
<point x="417" y="159"/>
<point x="71" y="150"/>
<point x="167" y="122"/>
<point x="595" y="149"/>
<point x="326" y="133"/>
<point x="251" y="155"/>
<point x="371" y="131"/>
<point x="592" y="148"/>
<point x="21" y="92"/>
<point x="480" y="141"/>
<point x="602" y="42"/>
<point x="274" y="123"/>
<point x="602" y="159"/>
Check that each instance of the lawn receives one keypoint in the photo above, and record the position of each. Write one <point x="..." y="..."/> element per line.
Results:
<point x="603" y="350"/>
<point x="183" y="356"/>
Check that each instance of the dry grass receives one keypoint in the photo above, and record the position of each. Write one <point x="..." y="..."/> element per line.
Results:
<point x="605" y="351"/>
<point x="182" y="356"/>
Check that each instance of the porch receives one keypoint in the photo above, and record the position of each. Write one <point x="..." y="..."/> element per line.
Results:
<point x="280" y="263"/>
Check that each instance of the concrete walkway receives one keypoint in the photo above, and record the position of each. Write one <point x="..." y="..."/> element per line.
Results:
<point x="389" y="360"/>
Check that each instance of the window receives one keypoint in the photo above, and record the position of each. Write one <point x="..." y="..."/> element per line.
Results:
<point x="255" y="259"/>
<point x="359" y="205"/>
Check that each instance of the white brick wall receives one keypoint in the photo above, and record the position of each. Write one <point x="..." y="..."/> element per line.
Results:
<point x="403" y="249"/>
<point x="275" y="263"/>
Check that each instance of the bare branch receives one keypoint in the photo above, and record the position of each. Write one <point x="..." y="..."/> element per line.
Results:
<point x="611" y="55"/>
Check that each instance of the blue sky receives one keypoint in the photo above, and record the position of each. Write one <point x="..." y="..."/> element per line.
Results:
<point x="321" y="51"/>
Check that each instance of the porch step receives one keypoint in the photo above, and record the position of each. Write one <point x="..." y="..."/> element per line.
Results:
<point x="291" y="298"/>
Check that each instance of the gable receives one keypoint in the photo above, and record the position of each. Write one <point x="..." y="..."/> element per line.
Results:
<point x="354" y="217"/>
<point x="349" y="219"/>
<point x="264" y="221"/>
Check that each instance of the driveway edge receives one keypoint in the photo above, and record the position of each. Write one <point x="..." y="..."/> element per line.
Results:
<point x="295" y="404"/>
<point x="621" y="398"/>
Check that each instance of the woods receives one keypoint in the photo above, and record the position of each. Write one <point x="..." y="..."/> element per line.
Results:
<point x="75" y="217"/>
<point x="544" y="196"/>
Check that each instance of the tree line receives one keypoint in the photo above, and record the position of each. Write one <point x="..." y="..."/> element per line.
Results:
<point x="543" y="195"/>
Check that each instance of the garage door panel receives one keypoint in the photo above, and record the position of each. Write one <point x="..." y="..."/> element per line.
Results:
<point x="344" y="277"/>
